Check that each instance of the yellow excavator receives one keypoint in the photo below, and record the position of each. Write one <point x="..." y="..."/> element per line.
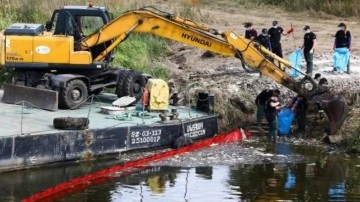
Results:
<point x="68" y="59"/>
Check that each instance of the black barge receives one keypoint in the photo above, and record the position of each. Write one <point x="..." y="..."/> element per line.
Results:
<point x="29" y="139"/>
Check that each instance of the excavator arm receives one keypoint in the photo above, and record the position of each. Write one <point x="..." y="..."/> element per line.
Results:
<point x="185" y="31"/>
<point x="164" y="25"/>
<point x="150" y="20"/>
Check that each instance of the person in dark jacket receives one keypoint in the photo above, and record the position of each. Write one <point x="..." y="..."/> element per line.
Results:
<point x="275" y="33"/>
<point x="299" y="107"/>
<point x="264" y="39"/>
<point x="260" y="102"/>
<point x="308" y="47"/>
<point x="271" y="108"/>
<point x="343" y="40"/>
<point x="250" y="32"/>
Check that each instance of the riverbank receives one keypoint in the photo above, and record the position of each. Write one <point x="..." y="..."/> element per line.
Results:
<point x="235" y="89"/>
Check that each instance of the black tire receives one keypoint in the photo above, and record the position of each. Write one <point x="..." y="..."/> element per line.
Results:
<point x="73" y="94"/>
<point x="133" y="85"/>
<point x="182" y="141"/>
<point x="120" y="83"/>
<point x="146" y="77"/>
<point x="71" y="123"/>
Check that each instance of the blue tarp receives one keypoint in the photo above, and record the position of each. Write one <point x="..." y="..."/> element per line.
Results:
<point x="341" y="59"/>
<point x="337" y="192"/>
<point x="285" y="119"/>
<point x="291" y="180"/>
<point x="295" y="59"/>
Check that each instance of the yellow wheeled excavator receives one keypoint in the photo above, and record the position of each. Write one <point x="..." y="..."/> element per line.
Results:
<point x="69" y="59"/>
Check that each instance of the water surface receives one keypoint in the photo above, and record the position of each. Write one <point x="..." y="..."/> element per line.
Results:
<point x="321" y="175"/>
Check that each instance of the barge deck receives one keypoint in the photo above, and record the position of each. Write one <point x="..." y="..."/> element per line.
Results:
<point x="28" y="137"/>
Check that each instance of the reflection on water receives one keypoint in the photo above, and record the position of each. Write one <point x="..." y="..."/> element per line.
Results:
<point x="322" y="177"/>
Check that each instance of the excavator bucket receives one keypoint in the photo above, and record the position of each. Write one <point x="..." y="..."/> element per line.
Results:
<point x="336" y="110"/>
<point x="33" y="97"/>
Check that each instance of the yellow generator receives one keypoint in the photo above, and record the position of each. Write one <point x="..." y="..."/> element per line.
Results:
<point x="159" y="94"/>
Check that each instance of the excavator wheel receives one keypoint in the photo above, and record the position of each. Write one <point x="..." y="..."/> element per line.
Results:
<point x="133" y="85"/>
<point x="74" y="94"/>
<point x="120" y="83"/>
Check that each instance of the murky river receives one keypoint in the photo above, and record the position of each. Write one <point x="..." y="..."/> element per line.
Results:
<point x="314" y="174"/>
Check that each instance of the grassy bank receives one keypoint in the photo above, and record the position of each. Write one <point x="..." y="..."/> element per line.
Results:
<point x="140" y="52"/>
<point x="355" y="140"/>
<point x="341" y="8"/>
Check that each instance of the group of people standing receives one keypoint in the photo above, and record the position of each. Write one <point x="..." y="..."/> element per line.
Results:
<point x="268" y="106"/>
<point x="271" y="39"/>
<point x="268" y="102"/>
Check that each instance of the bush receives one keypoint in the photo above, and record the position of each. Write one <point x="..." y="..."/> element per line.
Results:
<point x="342" y="8"/>
<point x="355" y="141"/>
<point x="335" y="7"/>
<point x="140" y="52"/>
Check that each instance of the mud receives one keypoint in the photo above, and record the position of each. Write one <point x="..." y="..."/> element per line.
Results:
<point x="235" y="90"/>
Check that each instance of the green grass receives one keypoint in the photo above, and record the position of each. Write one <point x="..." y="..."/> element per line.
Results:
<point x="141" y="52"/>
<point x="5" y="76"/>
<point x="355" y="140"/>
<point x="341" y="8"/>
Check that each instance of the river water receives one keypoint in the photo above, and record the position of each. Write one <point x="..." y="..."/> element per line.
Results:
<point x="242" y="172"/>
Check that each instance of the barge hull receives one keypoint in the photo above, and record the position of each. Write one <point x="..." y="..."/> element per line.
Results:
<point x="27" y="151"/>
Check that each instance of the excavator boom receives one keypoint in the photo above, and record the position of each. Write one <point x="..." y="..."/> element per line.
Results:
<point x="164" y="25"/>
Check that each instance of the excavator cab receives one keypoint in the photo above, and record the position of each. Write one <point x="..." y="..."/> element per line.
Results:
<point x="64" y="32"/>
<point x="80" y="22"/>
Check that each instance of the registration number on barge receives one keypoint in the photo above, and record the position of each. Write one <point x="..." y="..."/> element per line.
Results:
<point x="145" y="136"/>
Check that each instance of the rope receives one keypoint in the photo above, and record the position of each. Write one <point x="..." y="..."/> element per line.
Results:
<point x="243" y="63"/>
<point x="18" y="103"/>
<point x="122" y="117"/>
<point x="127" y="116"/>
<point x="29" y="105"/>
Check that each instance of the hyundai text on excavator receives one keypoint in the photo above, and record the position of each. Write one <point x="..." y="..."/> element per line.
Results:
<point x="71" y="58"/>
